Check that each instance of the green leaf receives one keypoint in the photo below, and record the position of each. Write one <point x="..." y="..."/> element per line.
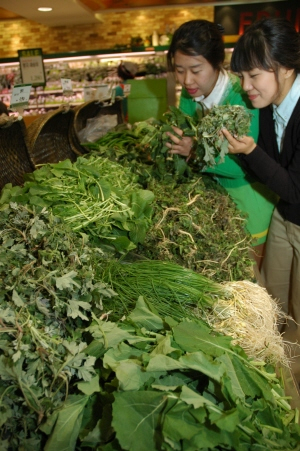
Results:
<point x="164" y="363"/>
<point x="67" y="281"/>
<point x="140" y="201"/>
<point x="179" y="424"/>
<point x="234" y="388"/>
<point x="192" y="336"/>
<point x="226" y="421"/>
<point x="122" y="243"/>
<point x="190" y="397"/>
<point x="74" y="309"/>
<point x="67" y="426"/>
<point x="90" y="387"/>
<point x="201" y="362"/>
<point x="132" y="376"/>
<point x="138" y="231"/>
<point x="109" y="334"/>
<point x="136" y="418"/>
<point x="17" y="299"/>
<point x="144" y="317"/>
<point x="113" y="357"/>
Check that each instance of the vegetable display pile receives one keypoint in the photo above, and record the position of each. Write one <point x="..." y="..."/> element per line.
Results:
<point x="196" y="225"/>
<point x="194" y="221"/>
<point x="72" y="378"/>
<point x="82" y="193"/>
<point x="146" y="140"/>
<point x="120" y="326"/>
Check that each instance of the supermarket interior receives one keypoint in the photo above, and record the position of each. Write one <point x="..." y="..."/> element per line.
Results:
<point x="149" y="225"/>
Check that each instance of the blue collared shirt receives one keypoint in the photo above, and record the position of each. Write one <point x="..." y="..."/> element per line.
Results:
<point x="283" y="112"/>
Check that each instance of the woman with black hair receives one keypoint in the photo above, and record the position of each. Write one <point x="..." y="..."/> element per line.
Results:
<point x="267" y="59"/>
<point x="196" y="55"/>
<point x="126" y="71"/>
<point x="3" y="109"/>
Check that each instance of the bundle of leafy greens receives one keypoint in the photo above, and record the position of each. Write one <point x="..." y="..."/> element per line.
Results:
<point x="143" y="143"/>
<point x="93" y="195"/>
<point x="156" y="379"/>
<point x="146" y="141"/>
<point x="214" y="146"/>
<point x="194" y="221"/>
<point x="196" y="225"/>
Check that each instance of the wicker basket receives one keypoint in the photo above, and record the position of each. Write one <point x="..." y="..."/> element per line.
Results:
<point x="91" y="109"/>
<point x="14" y="154"/>
<point x="50" y="138"/>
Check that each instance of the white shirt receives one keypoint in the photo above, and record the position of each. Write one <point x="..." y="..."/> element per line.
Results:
<point x="216" y="95"/>
<point x="283" y="112"/>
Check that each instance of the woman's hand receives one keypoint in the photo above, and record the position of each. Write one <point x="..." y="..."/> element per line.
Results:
<point x="243" y="144"/>
<point x="180" y="144"/>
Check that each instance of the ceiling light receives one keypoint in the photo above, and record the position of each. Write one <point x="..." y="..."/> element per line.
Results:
<point x="45" y="9"/>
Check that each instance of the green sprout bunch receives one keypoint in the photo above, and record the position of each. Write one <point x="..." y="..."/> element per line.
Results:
<point x="212" y="146"/>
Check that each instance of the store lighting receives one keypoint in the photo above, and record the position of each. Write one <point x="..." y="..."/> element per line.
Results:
<point x="120" y="55"/>
<point x="104" y="57"/>
<point x="71" y="58"/>
<point x="44" y="9"/>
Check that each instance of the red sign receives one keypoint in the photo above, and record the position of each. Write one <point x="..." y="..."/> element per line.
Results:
<point x="235" y="19"/>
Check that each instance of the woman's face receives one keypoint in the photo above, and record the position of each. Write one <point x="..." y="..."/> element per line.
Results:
<point x="264" y="88"/>
<point x="195" y="74"/>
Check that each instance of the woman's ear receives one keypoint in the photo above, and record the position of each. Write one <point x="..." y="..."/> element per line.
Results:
<point x="288" y="72"/>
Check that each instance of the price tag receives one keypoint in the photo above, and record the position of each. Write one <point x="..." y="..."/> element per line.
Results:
<point x="101" y="92"/>
<point x="32" y="67"/>
<point x="66" y="84"/>
<point x="20" y="96"/>
<point x="113" y="95"/>
<point x="88" y="93"/>
<point x="126" y="89"/>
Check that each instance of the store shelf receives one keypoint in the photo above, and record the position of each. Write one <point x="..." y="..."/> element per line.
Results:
<point x="98" y="65"/>
<point x="39" y="100"/>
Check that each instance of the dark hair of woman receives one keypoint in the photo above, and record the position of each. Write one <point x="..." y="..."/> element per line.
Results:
<point x="267" y="44"/>
<point x="198" y="37"/>
<point x="124" y="73"/>
<point x="3" y="108"/>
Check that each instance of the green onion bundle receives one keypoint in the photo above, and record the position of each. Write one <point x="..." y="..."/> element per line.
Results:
<point x="172" y="289"/>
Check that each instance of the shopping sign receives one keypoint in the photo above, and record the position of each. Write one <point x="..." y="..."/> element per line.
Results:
<point x="66" y="85"/>
<point x="20" y="96"/>
<point x="32" y="67"/>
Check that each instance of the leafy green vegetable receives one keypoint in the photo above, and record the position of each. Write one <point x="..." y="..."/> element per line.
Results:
<point x="171" y="288"/>
<point x="233" y="117"/>
<point x="66" y="368"/>
<point x="201" y="393"/>
<point x="86" y="196"/>
<point x="196" y="225"/>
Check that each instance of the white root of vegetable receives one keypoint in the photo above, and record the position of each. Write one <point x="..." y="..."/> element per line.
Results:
<point x="250" y="316"/>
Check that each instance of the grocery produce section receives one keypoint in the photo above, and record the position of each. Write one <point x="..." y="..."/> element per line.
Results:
<point x="84" y="71"/>
<point x="130" y="313"/>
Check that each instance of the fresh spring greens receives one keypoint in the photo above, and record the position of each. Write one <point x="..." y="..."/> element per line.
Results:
<point x="235" y="118"/>
<point x="93" y="194"/>
<point x="73" y="379"/>
<point x="172" y="289"/>
<point x="196" y="225"/>
<point x="48" y="289"/>
<point x="193" y="224"/>
<point x="145" y="142"/>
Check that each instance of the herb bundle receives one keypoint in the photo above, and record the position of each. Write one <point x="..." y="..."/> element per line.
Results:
<point x="196" y="225"/>
<point x="235" y="118"/>
<point x="145" y="142"/>
<point x="93" y="195"/>
<point x="68" y="373"/>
